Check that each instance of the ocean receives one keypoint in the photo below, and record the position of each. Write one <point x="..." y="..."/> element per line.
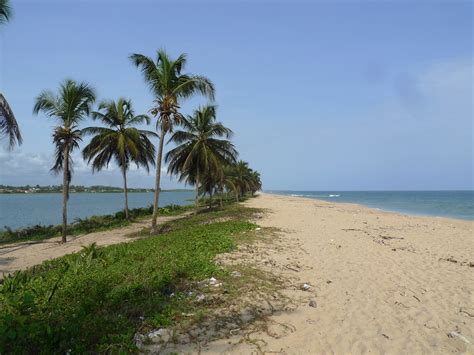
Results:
<point x="23" y="210"/>
<point x="453" y="204"/>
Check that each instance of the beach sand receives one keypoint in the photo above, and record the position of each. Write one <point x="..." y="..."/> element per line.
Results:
<point x="383" y="282"/>
<point x="380" y="282"/>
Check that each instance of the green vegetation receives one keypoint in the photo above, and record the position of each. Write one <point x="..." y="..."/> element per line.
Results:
<point x="69" y="107"/>
<point x="96" y="300"/>
<point x="200" y="152"/>
<point x="37" y="189"/>
<point x="86" y="225"/>
<point x="119" y="140"/>
<point x="9" y="128"/>
<point x="170" y="87"/>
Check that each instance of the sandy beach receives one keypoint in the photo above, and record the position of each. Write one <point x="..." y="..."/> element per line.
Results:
<point x="379" y="282"/>
<point x="383" y="282"/>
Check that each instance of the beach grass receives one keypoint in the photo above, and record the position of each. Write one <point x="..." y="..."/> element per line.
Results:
<point x="86" y="225"/>
<point x="96" y="300"/>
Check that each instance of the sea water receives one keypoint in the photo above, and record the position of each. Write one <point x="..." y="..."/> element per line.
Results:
<point x="23" y="210"/>
<point x="453" y="204"/>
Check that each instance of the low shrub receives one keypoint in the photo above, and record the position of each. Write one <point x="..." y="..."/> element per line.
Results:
<point x="85" y="225"/>
<point x="95" y="300"/>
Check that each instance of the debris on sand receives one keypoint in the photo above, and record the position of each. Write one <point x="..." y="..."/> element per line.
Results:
<point x="455" y="334"/>
<point x="305" y="287"/>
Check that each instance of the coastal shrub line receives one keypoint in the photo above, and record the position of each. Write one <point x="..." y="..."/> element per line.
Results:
<point x="96" y="300"/>
<point x="86" y="225"/>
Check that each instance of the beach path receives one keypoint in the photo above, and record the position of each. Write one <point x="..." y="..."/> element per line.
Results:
<point x="22" y="255"/>
<point x="383" y="282"/>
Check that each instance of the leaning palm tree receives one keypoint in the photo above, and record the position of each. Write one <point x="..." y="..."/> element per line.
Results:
<point x="5" y="11"/>
<point x="200" y="151"/>
<point x="8" y="125"/>
<point x="71" y="105"/>
<point x="169" y="86"/>
<point x="119" y="141"/>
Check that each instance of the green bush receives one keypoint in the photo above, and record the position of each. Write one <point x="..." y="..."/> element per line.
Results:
<point x="84" y="225"/>
<point x="93" y="301"/>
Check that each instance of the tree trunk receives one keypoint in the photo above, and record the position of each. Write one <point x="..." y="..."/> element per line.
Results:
<point x="196" y="197"/>
<point x="210" y="199"/>
<point x="157" y="182"/>
<point x="125" y="190"/>
<point x="65" y="192"/>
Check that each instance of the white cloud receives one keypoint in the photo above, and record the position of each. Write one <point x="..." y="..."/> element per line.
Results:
<point x="18" y="162"/>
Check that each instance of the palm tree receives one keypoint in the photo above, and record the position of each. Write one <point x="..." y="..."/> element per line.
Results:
<point x="8" y="125"/>
<point x="120" y="140"/>
<point x="71" y="105"/>
<point x="243" y="179"/>
<point x="169" y="86"/>
<point x="240" y="173"/>
<point x="255" y="182"/>
<point x="5" y="11"/>
<point x="199" y="150"/>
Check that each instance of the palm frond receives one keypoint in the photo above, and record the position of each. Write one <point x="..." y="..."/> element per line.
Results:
<point x="8" y="125"/>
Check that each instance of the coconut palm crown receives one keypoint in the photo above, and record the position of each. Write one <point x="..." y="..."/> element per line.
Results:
<point x="203" y="148"/>
<point x="68" y="107"/>
<point x="170" y="86"/>
<point x="119" y="141"/>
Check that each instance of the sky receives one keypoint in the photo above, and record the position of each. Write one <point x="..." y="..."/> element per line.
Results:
<point x="322" y="95"/>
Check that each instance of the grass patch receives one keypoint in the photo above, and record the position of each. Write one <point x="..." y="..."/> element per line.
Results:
<point x="86" y="225"/>
<point x="96" y="300"/>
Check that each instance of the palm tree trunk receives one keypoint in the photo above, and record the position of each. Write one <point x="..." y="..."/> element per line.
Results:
<point x="210" y="199"/>
<point x="196" y="202"/>
<point x="157" y="181"/>
<point x="125" y="190"/>
<point x="65" y="192"/>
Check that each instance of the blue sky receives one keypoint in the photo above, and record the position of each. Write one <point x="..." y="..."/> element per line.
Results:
<point x="355" y="95"/>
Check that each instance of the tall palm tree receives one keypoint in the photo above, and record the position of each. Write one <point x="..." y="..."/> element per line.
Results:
<point x="5" y="11"/>
<point x="200" y="150"/>
<point x="8" y="125"/>
<point x="169" y="86"/>
<point x="69" y="106"/>
<point x="119" y="140"/>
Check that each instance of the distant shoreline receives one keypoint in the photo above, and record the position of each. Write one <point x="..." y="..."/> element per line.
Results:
<point x="19" y="191"/>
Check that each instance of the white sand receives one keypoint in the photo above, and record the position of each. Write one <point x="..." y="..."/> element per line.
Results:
<point x="374" y="295"/>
